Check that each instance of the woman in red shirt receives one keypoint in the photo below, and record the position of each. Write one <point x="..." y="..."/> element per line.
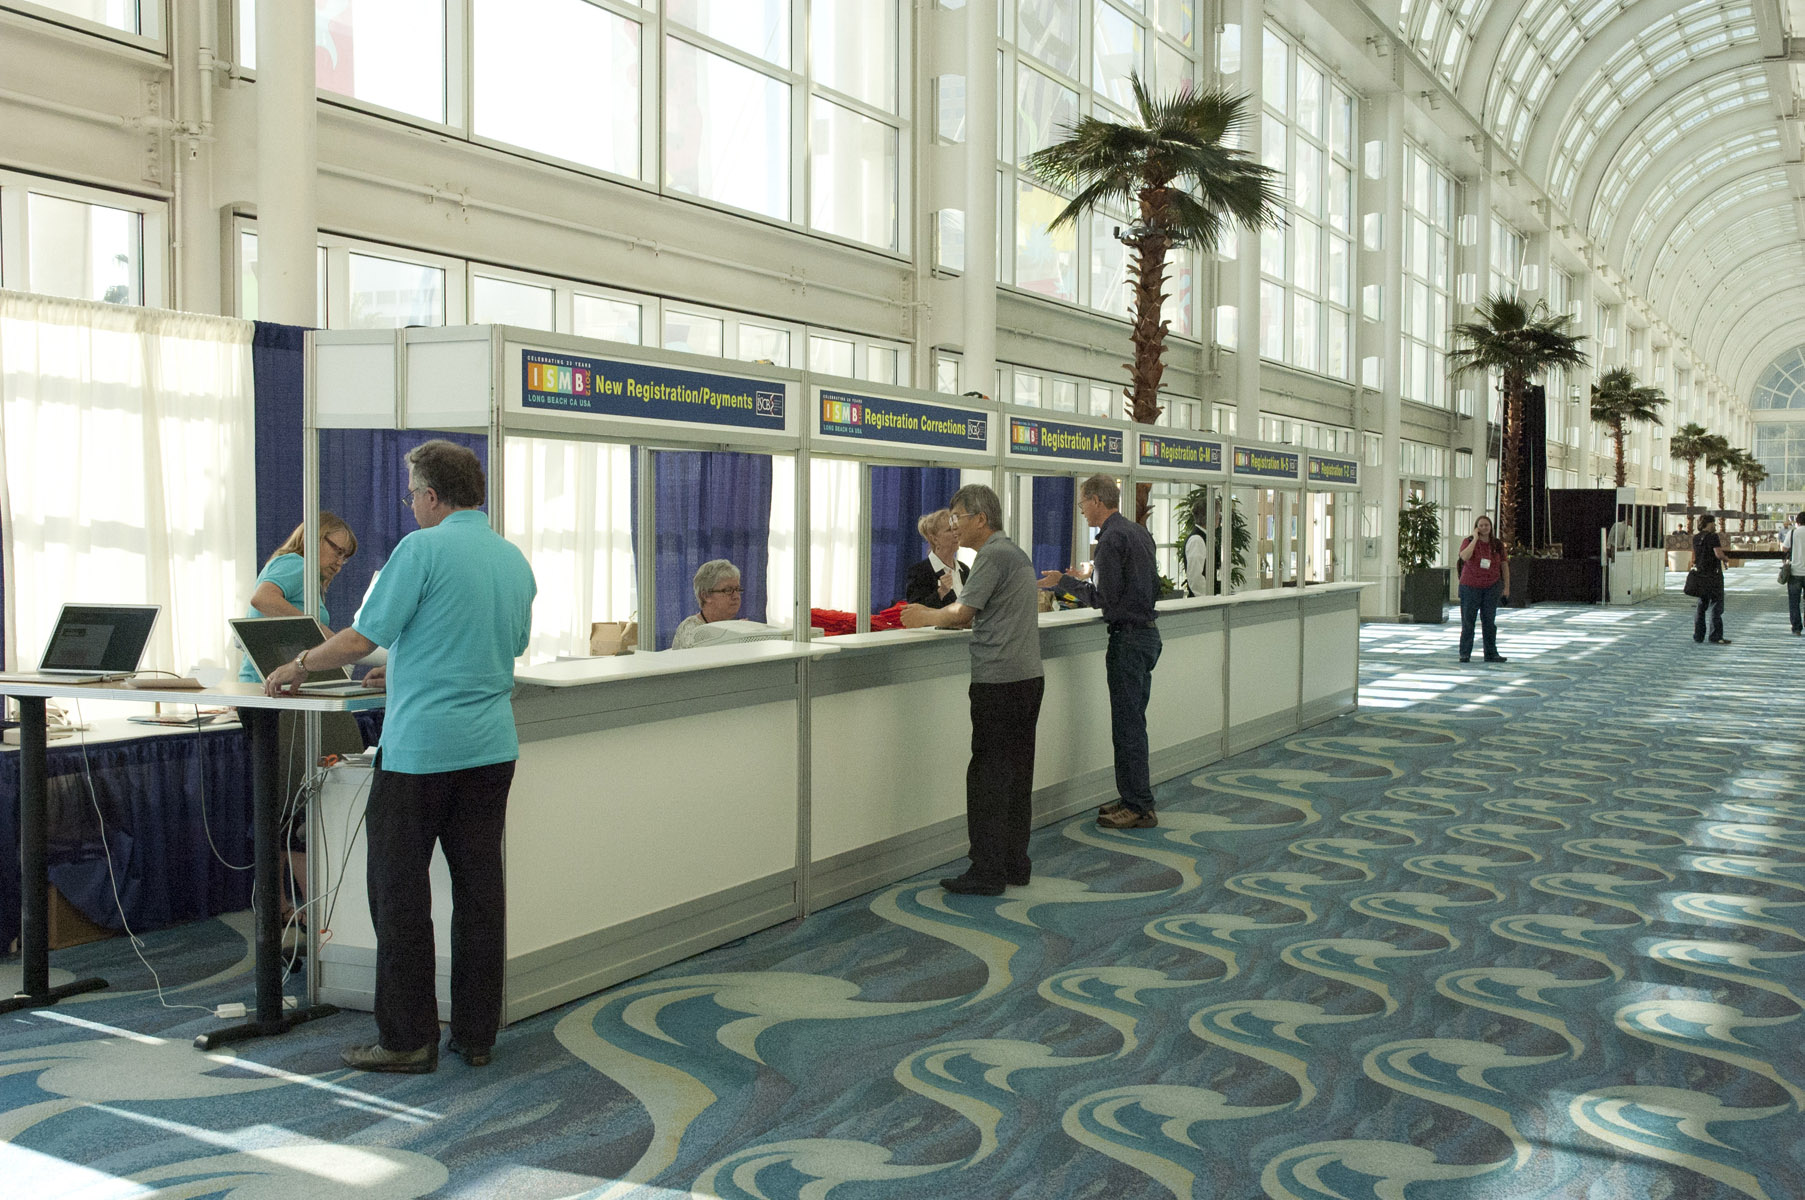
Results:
<point x="1484" y="581"/>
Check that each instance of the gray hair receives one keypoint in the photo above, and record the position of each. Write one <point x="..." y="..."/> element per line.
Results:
<point x="933" y="523"/>
<point x="979" y="501"/>
<point x="1104" y="489"/>
<point x="712" y="574"/>
<point x="451" y="470"/>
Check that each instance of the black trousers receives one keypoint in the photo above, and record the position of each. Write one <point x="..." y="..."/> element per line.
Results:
<point x="999" y="783"/>
<point x="463" y="812"/>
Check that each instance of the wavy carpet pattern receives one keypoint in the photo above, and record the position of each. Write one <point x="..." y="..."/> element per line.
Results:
<point x="1521" y="930"/>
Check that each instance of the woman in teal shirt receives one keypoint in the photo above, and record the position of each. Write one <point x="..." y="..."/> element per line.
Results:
<point x="281" y="587"/>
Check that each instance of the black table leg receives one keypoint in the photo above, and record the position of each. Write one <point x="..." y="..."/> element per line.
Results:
<point x="267" y="842"/>
<point x="34" y="872"/>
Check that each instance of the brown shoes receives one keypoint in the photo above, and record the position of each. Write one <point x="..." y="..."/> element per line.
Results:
<point x="1123" y="817"/>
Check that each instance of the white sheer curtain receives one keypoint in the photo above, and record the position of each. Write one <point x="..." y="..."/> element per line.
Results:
<point x="834" y="519"/>
<point x="569" y="507"/>
<point x="126" y="446"/>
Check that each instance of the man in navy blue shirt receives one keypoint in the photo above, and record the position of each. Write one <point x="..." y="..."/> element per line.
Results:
<point x="1124" y="583"/>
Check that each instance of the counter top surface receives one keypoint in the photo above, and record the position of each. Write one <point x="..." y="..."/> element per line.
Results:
<point x="235" y="695"/>
<point x="581" y="672"/>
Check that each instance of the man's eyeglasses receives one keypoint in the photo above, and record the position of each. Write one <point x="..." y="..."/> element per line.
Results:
<point x="952" y="519"/>
<point x="735" y="590"/>
<point x="407" y="497"/>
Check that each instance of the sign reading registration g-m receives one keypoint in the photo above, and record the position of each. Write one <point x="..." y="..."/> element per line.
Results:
<point x="879" y="419"/>
<point x="1334" y="470"/>
<point x="1251" y="461"/>
<point x="1158" y="450"/>
<point x="1031" y="438"/>
<point x="604" y="387"/>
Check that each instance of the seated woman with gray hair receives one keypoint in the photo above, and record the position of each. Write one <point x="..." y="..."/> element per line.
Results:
<point x="718" y="592"/>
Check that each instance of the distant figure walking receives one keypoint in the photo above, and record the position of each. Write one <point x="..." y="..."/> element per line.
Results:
<point x="1795" y="557"/>
<point x="1708" y="561"/>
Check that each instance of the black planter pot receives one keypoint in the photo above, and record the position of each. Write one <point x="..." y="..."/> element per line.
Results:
<point x="1522" y="583"/>
<point x="1423" y="595"/>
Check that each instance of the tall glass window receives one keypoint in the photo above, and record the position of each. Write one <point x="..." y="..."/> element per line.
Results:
<point x="591" y="116"/>
<point x="1307" y="133"/>
<point x="391" y="54"/>
<point x="1048" y="81"/>
<point x="1428" y="278"/>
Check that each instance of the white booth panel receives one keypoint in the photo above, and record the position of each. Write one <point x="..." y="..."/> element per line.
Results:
<point x="631" y="821"/>
<point x="887" y="761"/>
<point x="1187" y="689"/>
<point x="449" y="384"/>
<point x="1263" y="665"/>
<point x="1331" y="655"/>
<point x="354" y="384"/>
<point x="1072" y="739"/>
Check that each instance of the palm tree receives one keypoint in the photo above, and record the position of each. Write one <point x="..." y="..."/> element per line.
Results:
<point x="1618" y="400"/>
<point x="1720" y="456"/>
<point x="1519" y="342"/>
<point x="1188" y="187"/>
<point x="1688" y="445"/>
<point x="1749" y="473"/>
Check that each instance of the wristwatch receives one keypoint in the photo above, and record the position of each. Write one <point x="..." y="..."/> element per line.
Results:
<point x="301" y="661"/>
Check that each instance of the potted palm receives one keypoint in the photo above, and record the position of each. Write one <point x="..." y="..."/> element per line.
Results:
<point x="1520" y="342"/>
<point x="1688" y="445"/>
<point x="1618" y="400"/>
<point x="1422" y="587"/>
<point x="1176" y="169"/>
<point x="1751" y="475"/>
<point x="1192" y="503"/>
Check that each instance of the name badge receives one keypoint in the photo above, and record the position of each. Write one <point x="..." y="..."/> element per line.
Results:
<point x="1485" y="564"/>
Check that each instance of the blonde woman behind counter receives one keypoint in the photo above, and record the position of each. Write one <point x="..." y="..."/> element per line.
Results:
<point x="718" y="592"/>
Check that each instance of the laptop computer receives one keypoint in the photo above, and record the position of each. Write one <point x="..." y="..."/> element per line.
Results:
<point x="271" y="642"/>
<point x="92" y="643"/>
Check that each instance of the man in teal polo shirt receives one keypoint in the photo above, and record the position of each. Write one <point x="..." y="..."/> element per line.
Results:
<point x="453" y="605"/>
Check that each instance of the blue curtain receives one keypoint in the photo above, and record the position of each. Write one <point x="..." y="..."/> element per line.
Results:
<point x="900" y="496"/>
<point x="363" y="479"/>
<point x="278" y="366"/>
<point x="1054" y="500"/>
<point x="708" y="504"/>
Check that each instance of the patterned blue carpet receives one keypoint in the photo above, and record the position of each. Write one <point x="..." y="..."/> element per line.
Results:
<point x="1523" y="930"/>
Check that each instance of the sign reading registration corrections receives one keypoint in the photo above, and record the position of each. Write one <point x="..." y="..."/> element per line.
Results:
<point x="605" y="387"/>
<point x="880" y="419"/>
<point x="1033" y="438"/>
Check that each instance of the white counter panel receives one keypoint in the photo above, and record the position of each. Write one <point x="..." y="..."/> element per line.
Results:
<point x="1331" y="653"/>
<point x="1073" y="736"/>
<point x="888" y="761"/>
<point x="1187" y="686"/>
<point x="625" y="822"/>
<point x="1263" y="665"/>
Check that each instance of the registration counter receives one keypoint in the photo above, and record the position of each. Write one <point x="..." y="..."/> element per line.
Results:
<point x="668" y="803"/>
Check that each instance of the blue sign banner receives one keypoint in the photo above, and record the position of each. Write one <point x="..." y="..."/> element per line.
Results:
<point x="640" y="391"/>
<point x="1334" y="470"/>
<point x="878" y="419"/>
<point x="1266" y="464"/>
<point x="1158" y="450"/>
<point x="1034" y="438"/>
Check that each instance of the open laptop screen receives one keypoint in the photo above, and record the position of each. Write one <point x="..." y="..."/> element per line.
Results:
<point x="103" y="638"/>
<point x="272" y="641"/>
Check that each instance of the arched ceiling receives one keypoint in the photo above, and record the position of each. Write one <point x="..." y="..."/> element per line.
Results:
<point x="1670" y="132"/>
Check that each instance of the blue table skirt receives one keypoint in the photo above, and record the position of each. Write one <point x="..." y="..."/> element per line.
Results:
<point x="160" y="796"/>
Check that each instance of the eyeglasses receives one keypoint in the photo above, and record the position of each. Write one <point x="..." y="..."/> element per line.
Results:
<point x="952" y="519"/>
<point x="735" y="590"/>
<point x="342" y="552"/>
<point x="407" y="497"/>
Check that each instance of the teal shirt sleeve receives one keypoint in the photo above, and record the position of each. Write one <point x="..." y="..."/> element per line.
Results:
<point x="395" y="596"/>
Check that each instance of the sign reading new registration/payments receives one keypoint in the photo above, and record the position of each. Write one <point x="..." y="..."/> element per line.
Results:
<point x="1184" y="454"/>
<point x="1343" y="471"/>
<point x="647" y="392"/>
<point x="1030" y="437"/>
<point x="883" y="420"/>
<point x="1254" y="462"/>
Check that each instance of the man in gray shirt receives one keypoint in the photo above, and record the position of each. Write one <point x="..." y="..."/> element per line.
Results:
<point x="998" y="602"/>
